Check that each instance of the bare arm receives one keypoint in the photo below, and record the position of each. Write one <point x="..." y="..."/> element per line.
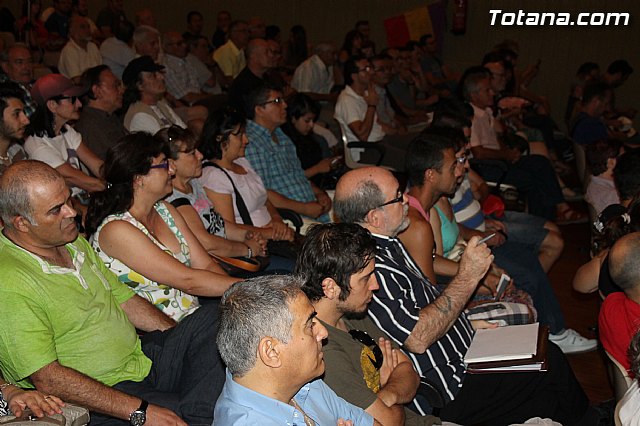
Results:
<point x="123" y="241"/>
<point x="586" y="278"/>
<point x="418" y="240"/>
<point x="479" y="186"/>
<point x="75" y="177"/>
<point x="482" y="153"/>
<point x="75" y="387"/>
<point x="91" y="160"/>
<point x="311" y="209"/>
<point x="144" y="316"/>
<point x="437" y="317"/>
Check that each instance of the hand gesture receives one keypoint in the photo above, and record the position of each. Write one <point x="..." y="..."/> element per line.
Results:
<point x="475" y="260"/>
<point x="371" y="96"/>
<point x="280" y="231"/>
<point x="390" y="357"/>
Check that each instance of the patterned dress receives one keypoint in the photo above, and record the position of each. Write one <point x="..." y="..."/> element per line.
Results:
<point x="171" y="301"/>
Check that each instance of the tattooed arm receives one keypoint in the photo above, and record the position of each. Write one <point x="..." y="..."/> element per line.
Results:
<point x="439" y="316"/>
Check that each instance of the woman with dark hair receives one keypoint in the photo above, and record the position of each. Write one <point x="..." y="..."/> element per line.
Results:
<point x="613" y="223"/>
<point x="189" y="198"/>
<point x="52" y="141"/>
<point x="228" y="174"/>
<point x="351" y="46"/>
<point x="312" y="149"/>
<point x="144" y="240"/>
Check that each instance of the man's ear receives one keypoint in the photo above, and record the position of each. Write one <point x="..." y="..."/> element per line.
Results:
<point x="21" y="223"/>
<point x="429" y="175"/>
<point x="373" y="218"/>
<point x="330" y="288"/>
<point x="269" y="352"/>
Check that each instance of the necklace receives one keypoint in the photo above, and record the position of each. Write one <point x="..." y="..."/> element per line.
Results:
<point x="307" y="420"/>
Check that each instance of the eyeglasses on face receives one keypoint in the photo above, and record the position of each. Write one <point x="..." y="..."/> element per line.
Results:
<point x="399" y="199"/>
<point x="276" y="101"/>
<point x="367" y="69"/>
<point x="364" y="338"/>
<point x="163" y="165"/>
<point x="462" y="159"/>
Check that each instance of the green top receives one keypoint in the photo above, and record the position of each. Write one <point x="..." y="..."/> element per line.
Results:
<point x="50" y="313"/>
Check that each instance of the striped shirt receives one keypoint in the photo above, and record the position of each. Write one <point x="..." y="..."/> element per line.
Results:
<point x="467" y="210"/>
<point x="395" y="309"/>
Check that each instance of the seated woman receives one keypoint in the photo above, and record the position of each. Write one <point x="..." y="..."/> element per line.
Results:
<point x="53" y="141"/>
<point x="312" y="149"/>
<point x="191" y="201"/>
<point x="226" y="173"/>
<point x="613" y="223"/>
<point x="14" y="400"/>
<point x="144" y="240"/>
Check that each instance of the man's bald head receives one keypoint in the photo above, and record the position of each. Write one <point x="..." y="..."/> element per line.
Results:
<point x="259" y="55"/>
<point x="623" y="263"/>
<point x="16" y="185"/>
<point x="360" y="191"/>
<point x="79" y="29"/>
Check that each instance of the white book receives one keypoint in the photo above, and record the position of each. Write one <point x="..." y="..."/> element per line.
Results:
<point x="503" y="344"/>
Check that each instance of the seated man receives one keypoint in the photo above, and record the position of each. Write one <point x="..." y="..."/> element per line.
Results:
<point x="99" y="126"/>
<point x="432" y="327"/>
<point x="259" y="59"/>
<point x="356" y="113"/>
<point x="230" y="56"/>
<point x="76" y="323"/>
<point x="80" y="53"/>
<point x="533" y="175"/>
<point x="620" y="312"/>
<point x="273" y="156"/>
<point x="589" y="125"/>
<point x="180" y="75"/>
<point x="271" y="342"/>
<point x="314" y="77"/>
<point x="17" y="64"/>
<point x="337" y="265"/>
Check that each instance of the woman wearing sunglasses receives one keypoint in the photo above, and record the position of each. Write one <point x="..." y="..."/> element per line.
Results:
<point x="144" y="240"/>
<point x="53" y="141"/>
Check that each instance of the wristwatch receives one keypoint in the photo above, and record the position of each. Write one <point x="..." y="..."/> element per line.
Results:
<point x="138" y="417"/>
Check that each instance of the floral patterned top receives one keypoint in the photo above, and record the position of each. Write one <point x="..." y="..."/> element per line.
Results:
<point x="171" y="301"/>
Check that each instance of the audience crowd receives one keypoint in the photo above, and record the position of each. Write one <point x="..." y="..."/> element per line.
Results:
<point x="186" y="241"/>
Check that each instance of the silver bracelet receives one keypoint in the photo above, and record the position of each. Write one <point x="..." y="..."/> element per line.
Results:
<point x="3" y="386"/>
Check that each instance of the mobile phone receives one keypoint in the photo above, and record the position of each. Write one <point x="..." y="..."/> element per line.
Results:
<point x="502" y="286"/>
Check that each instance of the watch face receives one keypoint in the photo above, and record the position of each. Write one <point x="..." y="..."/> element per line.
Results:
<point x="138" y="418"/>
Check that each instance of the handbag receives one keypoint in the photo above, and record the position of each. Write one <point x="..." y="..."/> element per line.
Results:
<point x="286" y="249"/>
<point x="72" y="415"/>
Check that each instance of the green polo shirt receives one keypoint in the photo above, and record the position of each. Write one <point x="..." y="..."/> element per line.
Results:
<point x="50" y="313"/>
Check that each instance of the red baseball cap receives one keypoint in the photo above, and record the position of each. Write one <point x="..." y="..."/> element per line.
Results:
<point x="55" y="85"/>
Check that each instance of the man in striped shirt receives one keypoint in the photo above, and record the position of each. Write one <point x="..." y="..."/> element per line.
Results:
<point x="431" y="327"/>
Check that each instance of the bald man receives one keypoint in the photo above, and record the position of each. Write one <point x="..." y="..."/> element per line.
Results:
<point x="432" y="327"/>
<point x="260" y="59"/>
<point x="620" y="312"/>
<point x="80" y="53"/>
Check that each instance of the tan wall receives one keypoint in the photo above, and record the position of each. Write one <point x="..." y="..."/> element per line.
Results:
<point x="561" y="49"/>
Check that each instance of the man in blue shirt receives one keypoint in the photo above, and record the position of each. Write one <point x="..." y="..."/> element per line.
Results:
<point x="273" y="156"/>
<point x="271" y="341"/>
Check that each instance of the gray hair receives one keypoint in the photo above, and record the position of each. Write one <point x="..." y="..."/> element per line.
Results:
<point x="141" y="33"/>
<point x="251" y="310"/>
<point x="4" y="55"/>
<point x="354" y="207"/>
<point x="324" y="46"/>
<point x="15" y="182"/>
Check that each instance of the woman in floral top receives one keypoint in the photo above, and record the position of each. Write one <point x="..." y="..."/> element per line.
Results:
<point x="143" y="239"/>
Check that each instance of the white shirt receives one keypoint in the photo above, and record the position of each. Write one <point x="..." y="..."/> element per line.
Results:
<point x="116" y="54"/>
<point x="482" y="132"/>
<point x="74" y="60"/>
<point x="313" y="76"/>
<point x="352" y="107"/>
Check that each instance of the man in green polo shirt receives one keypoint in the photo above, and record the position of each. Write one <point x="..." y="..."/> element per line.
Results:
<point x="68" y="326"/>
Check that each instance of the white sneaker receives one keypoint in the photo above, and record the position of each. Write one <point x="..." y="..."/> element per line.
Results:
<point x="570" y="342"/>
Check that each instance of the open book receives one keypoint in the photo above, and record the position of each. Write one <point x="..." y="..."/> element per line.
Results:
<point x="508" y="349"/>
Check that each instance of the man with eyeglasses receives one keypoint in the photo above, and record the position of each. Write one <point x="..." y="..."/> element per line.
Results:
<point x="433" y="330"/>
<point x="99" y="126"/>
<point x="356" y="113"/>
<point x="273" y="156"/>
<point x="361" y="365"/>
<point x="260" y="59"/>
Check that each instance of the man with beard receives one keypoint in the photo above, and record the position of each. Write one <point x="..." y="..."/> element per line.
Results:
<point x="433" y="330"/>
<point x="12" y="124"/>
<point x="99" y="125"/>
<point x="362" y="366"/>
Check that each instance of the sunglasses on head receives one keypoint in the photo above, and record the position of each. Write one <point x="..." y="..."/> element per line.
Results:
<point x="364" y="338"/>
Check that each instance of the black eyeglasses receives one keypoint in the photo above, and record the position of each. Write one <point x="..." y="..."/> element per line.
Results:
<point x="398" y="199"/>
<point x="365" y="339"/>
<point x="367" y="69"/>
<point x="276" y="101"/>
<point x="71" y="99"/>
<point x="163" y="165"/>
